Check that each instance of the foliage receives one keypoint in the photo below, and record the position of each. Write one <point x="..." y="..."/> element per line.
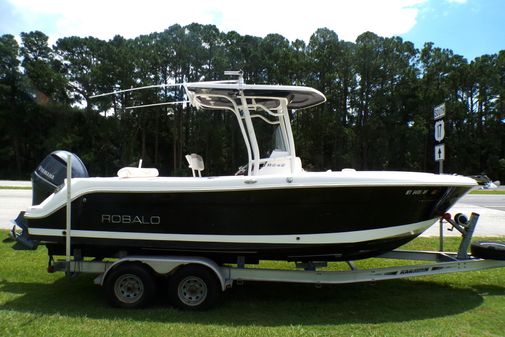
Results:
<point x="381" y="93"/>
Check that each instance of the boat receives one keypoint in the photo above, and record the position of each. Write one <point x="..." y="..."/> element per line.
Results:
<point x="271" y="210"/>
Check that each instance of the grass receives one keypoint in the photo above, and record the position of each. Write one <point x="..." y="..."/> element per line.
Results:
<point x="487" y="192"/>
<point x="35" y="303"/>
<point x="15" y="187"/>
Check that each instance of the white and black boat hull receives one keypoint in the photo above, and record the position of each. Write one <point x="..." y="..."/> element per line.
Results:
<point x="295" y="223"/>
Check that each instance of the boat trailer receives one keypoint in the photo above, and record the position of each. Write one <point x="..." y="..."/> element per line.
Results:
<point x="195" y="283"/>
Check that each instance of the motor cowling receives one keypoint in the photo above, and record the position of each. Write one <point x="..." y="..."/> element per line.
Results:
<point x="52" y="172"/>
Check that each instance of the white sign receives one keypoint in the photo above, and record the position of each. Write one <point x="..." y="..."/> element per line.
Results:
<point x="439" y="152"/>
<point x="439" y="111"/>
<point x="439" y="130"/>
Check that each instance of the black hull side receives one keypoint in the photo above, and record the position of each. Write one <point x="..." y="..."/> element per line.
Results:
<point x="256" y="212"/>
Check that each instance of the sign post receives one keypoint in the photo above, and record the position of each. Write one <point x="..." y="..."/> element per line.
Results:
<point x="438" y="115"/>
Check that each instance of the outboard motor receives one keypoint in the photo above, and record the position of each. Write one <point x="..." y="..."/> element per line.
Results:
<point x="52" y="172"/>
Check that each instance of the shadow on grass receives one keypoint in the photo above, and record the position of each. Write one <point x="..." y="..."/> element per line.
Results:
<point x="261" y="304"/>
<point x="8" y="240"/>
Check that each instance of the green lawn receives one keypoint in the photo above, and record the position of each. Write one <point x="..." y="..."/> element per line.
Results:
<point x="35" y="303"/>
<point x="487" y="192"/>
<point x="15" y="187"/>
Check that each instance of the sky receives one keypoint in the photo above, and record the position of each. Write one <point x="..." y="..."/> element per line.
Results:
<point x="468" y="27"/>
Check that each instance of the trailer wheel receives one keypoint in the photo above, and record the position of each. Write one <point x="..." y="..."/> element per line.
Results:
<point x="489" y="250"/>
<point x="194" y="288"/>
<point x="130" y="286"/>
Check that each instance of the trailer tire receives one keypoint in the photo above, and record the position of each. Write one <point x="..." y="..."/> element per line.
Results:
<point x="130" y="286"/>
<point x="194" y="287"/>
<point x="488" y="250"/>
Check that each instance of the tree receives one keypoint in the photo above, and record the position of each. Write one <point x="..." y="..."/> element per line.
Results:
<point x="10" y="105"/>
<point x="370" y="75"/>
<point x="326" y="57"/>
<point x="43" y="68"/>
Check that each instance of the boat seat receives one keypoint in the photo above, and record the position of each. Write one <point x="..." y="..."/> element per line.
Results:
<point x="195" y="162"/>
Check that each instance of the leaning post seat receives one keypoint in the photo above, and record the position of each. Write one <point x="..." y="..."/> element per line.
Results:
<point x="195" y="162"/>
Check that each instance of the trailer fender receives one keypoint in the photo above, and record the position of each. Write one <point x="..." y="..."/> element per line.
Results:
<point x="165" y="265"/>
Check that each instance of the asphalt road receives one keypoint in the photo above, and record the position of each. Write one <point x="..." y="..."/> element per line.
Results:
<point x="11" y="203"/>
<point x="496" y="201"/>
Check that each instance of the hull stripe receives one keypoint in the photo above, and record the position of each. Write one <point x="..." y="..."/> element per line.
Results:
<point x="326" y="238"/>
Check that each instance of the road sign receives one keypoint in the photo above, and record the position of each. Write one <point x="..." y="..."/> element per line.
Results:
<point x="439" y="111"/>
<point x="439" y="152"/>
<point x="439" y="130"/>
